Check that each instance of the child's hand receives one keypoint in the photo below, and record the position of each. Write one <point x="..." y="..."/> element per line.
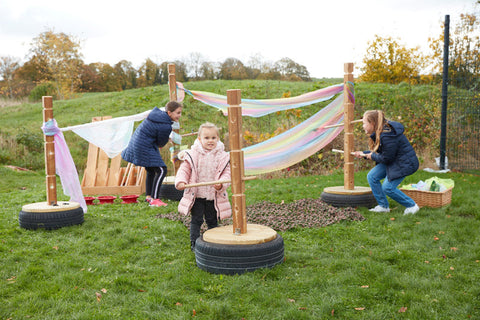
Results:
<point x="359" y="154"/>
<point x="181" y="186"/>
<point x="217" y="186"/>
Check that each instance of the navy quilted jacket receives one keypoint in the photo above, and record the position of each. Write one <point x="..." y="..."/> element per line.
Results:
<point x="151" y="134"/>
<point x="395" y="152"/>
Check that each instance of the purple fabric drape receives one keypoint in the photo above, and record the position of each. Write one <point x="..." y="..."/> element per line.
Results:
<point x="64" y="165"/>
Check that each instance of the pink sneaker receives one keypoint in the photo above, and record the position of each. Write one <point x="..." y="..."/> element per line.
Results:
<point x="157" y="203"/>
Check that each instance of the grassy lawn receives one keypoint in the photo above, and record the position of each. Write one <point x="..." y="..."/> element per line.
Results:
<point x="129" y="261"/>
<point x="126" y="263"/>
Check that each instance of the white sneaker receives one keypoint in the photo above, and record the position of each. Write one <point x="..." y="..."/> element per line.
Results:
<point x="380" y="209"/>
<point x="411" y="210"/>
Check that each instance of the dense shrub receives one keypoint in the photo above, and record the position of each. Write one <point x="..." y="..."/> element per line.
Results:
<point x="43" y="89"/>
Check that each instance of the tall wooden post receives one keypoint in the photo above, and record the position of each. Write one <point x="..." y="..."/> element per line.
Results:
<point x="172" y="86"/>
<point x="172" y="82"/>
<point x="236" y="161"/>
<point x="348" y="105"/>
<point x="51" y="178"/>
<point x="238" y="259"/>
<point x="34" y="215"/>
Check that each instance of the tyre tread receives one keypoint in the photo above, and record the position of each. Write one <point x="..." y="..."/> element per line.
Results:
<point x="50" y="220"/>
<point x="237" y="259"/>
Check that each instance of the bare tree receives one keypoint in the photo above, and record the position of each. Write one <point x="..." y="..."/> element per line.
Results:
<point x="255" y="65"/>
<point x="8" y="66"/>
<point x="194" y="64"/>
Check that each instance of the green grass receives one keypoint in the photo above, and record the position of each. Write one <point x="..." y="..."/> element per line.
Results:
<point x="125" y="263"/>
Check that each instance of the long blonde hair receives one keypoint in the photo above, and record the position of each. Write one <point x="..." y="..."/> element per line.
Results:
<point x="377" y="119"/>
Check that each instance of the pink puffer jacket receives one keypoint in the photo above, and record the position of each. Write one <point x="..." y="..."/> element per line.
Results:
<point x="188" y="174"/>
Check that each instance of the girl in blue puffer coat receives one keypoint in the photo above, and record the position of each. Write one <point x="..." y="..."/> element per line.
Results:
<point x="395" y="159"/>
<point x="142" y="150"/>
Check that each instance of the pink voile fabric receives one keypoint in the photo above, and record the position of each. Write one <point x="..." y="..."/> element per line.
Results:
<point x="64" y="165"/>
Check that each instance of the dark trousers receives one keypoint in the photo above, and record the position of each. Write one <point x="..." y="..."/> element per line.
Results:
<point x="153" y="182"/>
<point x="200" y="209"/>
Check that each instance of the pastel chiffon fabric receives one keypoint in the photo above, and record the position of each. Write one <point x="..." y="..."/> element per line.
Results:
<point x="112" y="135"/>
<point x="64" y="165"/>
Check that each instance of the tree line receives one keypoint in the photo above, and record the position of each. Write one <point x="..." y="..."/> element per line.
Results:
<point x="55" y="66"/>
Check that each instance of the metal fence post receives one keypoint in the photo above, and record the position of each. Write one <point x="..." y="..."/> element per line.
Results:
<point x="443" y="128"/>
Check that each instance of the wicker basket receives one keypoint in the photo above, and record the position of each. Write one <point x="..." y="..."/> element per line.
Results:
<point x="430" y="198"/>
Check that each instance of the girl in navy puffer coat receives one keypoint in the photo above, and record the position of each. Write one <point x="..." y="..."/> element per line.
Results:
<point x="395" y="159"/>
<point x="142" y="150"/>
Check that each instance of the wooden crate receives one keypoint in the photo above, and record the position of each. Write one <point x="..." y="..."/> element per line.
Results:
<point x="430" y="198"/>
<point x="105" y="176"/>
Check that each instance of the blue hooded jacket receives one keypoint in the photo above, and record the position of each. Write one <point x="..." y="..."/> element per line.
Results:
<point x="395" y="151"/>
<point x="151" y="134"/>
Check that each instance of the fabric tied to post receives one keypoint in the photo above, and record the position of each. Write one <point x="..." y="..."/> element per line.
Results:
<point x="64" y="165"/>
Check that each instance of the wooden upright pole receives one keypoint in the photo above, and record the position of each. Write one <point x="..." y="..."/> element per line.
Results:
<point x="172" y="82"/>
<point x="172" y="86"/>
<point x="355" y="196"/>
<point x="236" y="161"/>
<point x="51" y="178"/>
<point x="348" y="106"/>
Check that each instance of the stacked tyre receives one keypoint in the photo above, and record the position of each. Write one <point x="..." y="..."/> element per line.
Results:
<point x="41" y="215"/>
<point x="238" y="259"/>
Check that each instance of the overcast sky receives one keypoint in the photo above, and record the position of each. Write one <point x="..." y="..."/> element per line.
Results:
<point x="321" y="35"/>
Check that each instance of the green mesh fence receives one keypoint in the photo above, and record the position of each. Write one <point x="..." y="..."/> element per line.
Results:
<point x="463" y="128"/>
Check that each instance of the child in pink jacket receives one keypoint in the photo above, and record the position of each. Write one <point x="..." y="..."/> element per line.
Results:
<point x="206" y="161"/>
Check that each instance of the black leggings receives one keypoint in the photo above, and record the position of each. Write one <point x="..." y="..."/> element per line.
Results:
<point x="153" y="183"/>
<point x="201" y="208"/>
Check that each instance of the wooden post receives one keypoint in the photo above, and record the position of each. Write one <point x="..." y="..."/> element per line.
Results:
<point x="172" y="86"/>
<point x="348" y="106"/>
<point x="51" y="178"/>
<point x="236" y="161"/>
<point x="172" y="82"/>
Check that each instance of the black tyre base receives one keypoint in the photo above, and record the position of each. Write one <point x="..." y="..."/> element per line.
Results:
<point x="50" y="220"/>
<point x="237" y="259"/>
<point x="349" y="200"/>
<point x="168" y="191"/>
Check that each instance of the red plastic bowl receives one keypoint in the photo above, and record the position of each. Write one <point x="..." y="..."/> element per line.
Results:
<point x="129" y="199"/>
<point x="106" y="199"/>
<point x="89" y="200"/>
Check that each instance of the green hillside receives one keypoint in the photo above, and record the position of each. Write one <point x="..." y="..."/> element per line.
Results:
<point x="418" y="107"/>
